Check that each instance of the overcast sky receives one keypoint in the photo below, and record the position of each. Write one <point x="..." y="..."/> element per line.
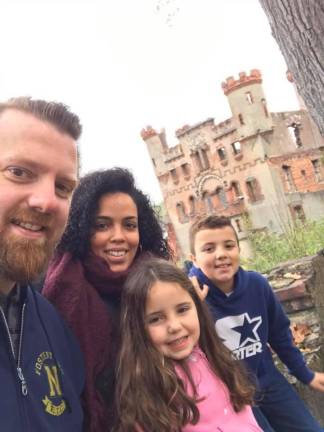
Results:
<point x="125" y="64"/>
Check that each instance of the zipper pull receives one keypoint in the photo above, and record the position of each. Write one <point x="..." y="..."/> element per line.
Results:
<point x="24" y="389"/>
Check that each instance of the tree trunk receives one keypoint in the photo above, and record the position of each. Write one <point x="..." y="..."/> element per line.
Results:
<point x="298" y="28"/>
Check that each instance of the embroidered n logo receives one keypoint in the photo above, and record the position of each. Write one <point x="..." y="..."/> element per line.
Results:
<point x="53" y="380"/>
<point x="54" y="403"/>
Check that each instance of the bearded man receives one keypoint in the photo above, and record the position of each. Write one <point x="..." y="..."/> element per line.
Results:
<point x="41" y="367"/>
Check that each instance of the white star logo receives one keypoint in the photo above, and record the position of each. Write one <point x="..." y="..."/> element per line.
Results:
<point x="232" y="328"/>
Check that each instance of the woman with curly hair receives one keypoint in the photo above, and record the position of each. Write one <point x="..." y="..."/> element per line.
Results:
<point x="111" y="224"/>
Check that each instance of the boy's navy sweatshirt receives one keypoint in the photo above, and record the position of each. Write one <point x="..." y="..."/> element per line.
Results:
<point x="249" y="320"/>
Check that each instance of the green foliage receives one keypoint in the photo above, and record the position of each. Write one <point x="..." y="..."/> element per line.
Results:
<point x="160" y="210"/>
<point x="322" y="160"/>
<point x="299" y="240"/>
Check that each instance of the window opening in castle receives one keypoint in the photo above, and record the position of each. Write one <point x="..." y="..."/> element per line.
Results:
<point x="265" y="109"/>
<point x="294" y="132"/>
<point x="303" y="173"/>
<point x="238" y="225"/>
<point x="192" y="206"/>
<point x="241" y="119"/>
<point x="185" y="170"/>
<point x="236" y="146"/>
<point x="299" y="213"/>
<point x="197" y="161"/>
<point x="181" y="212"/>
<point x="249" y="97"/>
<point x="236" y="188"/>
<point x="153" y="161"/>
<point x="222" y="153"/>
<point x="208" y="202"/>
<point x="317" y="169"/>
<point x="288" y="178"/>
<point x="205" y="159"/>
<point x="174" y="176"/>
<point x="253" y="190"/>
<point x="222" y="196"/>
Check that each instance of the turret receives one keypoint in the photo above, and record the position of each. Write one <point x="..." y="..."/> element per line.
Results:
<point x="156" y="146"/>
<point x="248" y="103"/>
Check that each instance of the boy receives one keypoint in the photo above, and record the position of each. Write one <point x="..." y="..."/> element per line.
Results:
<point x="249" y="318"/>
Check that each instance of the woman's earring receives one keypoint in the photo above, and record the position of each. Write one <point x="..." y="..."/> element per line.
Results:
<point x="140" y="248"/>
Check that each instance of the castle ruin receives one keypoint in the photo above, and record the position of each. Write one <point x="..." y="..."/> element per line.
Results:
<point x="267" y="166"/>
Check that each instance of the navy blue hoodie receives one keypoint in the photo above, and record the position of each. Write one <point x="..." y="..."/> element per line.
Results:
<point x="249" y="320"/>
<point x="40" y="390"/>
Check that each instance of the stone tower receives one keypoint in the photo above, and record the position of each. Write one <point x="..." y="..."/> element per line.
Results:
<point x="248" y="103"/>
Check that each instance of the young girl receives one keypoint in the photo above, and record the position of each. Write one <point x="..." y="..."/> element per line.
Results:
<point x="174" y="373"/>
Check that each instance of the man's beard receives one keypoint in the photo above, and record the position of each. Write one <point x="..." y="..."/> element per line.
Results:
<point x="24" y="260"/>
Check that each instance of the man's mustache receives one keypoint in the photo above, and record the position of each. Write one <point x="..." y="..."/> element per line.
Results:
<point x="32" y="217"/>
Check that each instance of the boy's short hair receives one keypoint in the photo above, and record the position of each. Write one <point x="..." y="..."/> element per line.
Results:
<point x="208" y="222"/>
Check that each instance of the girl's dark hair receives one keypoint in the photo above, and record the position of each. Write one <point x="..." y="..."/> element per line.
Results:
<point x="149" y="392"/>
<point x="84" y="206"/>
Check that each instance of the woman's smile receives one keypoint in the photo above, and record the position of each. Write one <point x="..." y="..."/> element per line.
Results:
<point x="116" y="236"/>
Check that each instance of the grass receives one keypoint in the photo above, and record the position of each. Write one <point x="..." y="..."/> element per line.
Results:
<point x="301" y="239"/>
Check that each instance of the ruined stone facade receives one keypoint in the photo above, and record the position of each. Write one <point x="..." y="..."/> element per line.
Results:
<point x="299" y="285"/>
<point x="268" y="166"/>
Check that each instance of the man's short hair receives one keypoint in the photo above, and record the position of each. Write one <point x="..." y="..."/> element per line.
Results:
<point x="208" y="222"/>
<point x="55" y="113"/>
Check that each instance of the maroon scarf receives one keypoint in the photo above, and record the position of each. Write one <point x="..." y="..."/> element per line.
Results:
<point x="74" y="287"/>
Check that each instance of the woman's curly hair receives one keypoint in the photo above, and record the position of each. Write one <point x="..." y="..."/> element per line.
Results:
<point x="84" y="206"/>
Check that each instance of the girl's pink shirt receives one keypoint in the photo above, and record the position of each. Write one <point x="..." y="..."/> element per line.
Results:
<point x="216" y="411"/>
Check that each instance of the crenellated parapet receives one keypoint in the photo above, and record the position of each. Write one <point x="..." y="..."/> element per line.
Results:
<point x="232" y="84"/>
<point x="173" y="153"/>
<point x="182" y="130"/>
<point x="224" y="128"/>
<point x="148" y="132"/>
